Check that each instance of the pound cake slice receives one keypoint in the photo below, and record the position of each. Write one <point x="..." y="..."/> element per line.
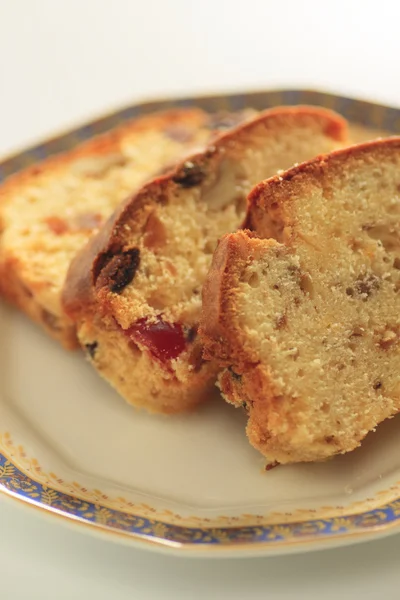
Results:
<point x="303" y="311"/>
<point x="135" y="290"/>
<point x="49" y="211"/>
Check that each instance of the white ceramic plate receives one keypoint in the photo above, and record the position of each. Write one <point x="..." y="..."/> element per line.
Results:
<point x="191" y="483"/>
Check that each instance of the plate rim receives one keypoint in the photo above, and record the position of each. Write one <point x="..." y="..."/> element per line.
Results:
<point x="273" y="539"/>
<point x="380" y="115"/>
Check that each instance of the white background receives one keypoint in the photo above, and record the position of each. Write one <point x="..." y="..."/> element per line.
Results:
<point x="62" y="62"/>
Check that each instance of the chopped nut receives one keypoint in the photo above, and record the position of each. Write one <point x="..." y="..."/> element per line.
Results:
<point x="190" y="175"/>
<point x="366" y="284"/>
<point x="388" y="338"/>
<point x="357" y="331"/>
<point x="306" y="284"/>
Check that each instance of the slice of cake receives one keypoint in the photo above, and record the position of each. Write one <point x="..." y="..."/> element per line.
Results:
<point x="303" y="311"/>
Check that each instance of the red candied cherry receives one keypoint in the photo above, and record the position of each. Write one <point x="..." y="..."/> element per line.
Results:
<point x="165" y="341"/>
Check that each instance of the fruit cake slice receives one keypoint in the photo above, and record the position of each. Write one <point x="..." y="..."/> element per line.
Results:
<point x="48" y="212"/>
<point x="135" y="291"/>
<point x="304" y="310"/>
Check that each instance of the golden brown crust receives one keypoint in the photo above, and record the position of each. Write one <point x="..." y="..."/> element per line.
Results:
<point x="219" y="329"/>
<point x="246" y="380"/>
<point x="269" y="202"/>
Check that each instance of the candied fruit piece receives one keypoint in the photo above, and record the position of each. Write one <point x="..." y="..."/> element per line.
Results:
<point x="165" y="341"/>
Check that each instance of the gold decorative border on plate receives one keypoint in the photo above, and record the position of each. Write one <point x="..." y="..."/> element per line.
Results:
<point x="184" y="532"/>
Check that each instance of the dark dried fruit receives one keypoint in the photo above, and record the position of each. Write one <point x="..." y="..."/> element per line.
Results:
<point x="191" y="334"/>
<point x="121" y="269"/>
<point x="189" y="175"/>
<point x="91" y="349"/>
<point x="377" y="385"/>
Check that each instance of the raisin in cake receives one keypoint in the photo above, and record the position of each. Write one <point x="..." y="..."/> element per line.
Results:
<point x="48" y="212"/>
<point x="135" y="290"/>
<point x="303" y="311"/>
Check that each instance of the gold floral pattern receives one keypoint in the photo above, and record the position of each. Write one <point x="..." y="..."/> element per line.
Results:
<point x="53" y="484"/>
<point x="145" y="522"/>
